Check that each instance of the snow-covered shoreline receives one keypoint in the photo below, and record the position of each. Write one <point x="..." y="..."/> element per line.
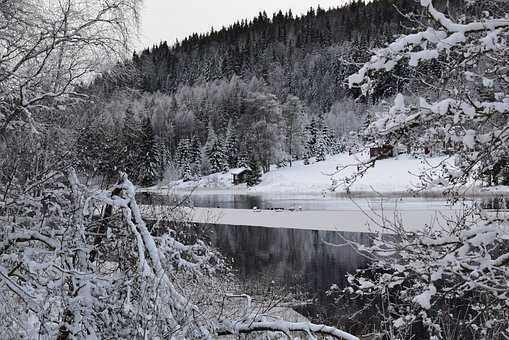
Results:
<point x="394" y="177"/>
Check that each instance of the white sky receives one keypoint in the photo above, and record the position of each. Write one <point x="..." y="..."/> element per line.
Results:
<point x="172" y="19"/>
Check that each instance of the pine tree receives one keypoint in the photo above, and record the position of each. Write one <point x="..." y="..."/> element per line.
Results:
<point x="163" y="157"/>
<point x="214" y="150"/>
<point x="148" y="170"/>
<point x="320" y="148"/>
<point x="186" y="171"/>
<point x="294" y="114"/>
<point x="194" y="149"/>
<point x="131" y="140"/>
<point x="255" y="175"/>
<point x="195" y="156"/>
<point x="327" y="135"/>
<point x="321" y="139"/>
<point x="217" y="157"/>
<point x="306" y="158"/>
<point x="243" y="159"/>
<point x="231" y="148"/>
<point x="312" y="132"/>
<point x="182" y="154"/>
<point x="211" y="139"/>
<point x="188" y="158"/>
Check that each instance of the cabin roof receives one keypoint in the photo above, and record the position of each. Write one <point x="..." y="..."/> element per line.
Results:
<point x="238" y="171"/>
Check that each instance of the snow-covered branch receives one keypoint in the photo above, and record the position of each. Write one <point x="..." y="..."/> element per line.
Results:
<point x="252" y="326"/>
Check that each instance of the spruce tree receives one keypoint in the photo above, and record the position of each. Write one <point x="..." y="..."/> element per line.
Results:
<point x="312" y="132"/>
<point x="182" y="153"/>
<point x="217" y="157"/>
<point x="163" y="157"/>
<point x="186" y="171"/>
<point x="230" y="144"/>
<point x="320" y="149"/>
<point x="195" y="156"/>
<point x="215" y="152"/>
<point x="243" y="159"/>
<point x="320" y="139"/>
<point x="148" y="160"/>
<point x="255" y="175"/>
<point x="132" y="146"/>
<point x="306" y="158"/>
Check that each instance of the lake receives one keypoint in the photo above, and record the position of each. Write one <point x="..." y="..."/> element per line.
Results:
<point x="294" y="257"/>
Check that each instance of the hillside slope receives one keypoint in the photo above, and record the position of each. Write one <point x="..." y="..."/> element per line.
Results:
<point x="388" y="176"/>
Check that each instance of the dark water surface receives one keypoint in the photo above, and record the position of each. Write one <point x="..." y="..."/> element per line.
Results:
<point x="312" y="260"/>
<point x="290" y="257"/>
<point x="286" y="201"/>
<point x="309" y="259"/>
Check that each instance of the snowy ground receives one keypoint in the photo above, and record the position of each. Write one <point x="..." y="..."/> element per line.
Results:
<point x="393" y="175"/>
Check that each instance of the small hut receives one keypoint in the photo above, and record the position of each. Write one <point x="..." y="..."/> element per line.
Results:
<point x="240" y="175"/>
<point x="384" y="151"/>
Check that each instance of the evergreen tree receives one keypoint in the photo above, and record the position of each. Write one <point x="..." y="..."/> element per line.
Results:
<point x="131" y="140"/>
<point x="188" y="158"/>
<point x="186" y="171"/>
<point x="195" y="156"/>
<point x="211" y="139"/>
<point x="312" y="134"/>
<point x="306" y="158"/>
<point x="294" y="115"/>
<point x="182" y="154"/>
<point x="231" y="148"/>
<point x="320" y="148"/>
<point x="194" y="149"/>
<point x="214" y="150"/>
<point x="163" y="157"/>
<point x="243" y="159"/>
<point x="217" y="157"/>
<point x="327" y="135"/>
<point x="148" y="160"/>
<point x="255" y="175"/>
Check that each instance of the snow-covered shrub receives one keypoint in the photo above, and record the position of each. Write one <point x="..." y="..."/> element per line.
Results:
<point x="455" y="274"/>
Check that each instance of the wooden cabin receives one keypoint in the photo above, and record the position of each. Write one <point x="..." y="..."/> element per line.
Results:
<point x="240" y="175"/>
<point x="381" y="152"/>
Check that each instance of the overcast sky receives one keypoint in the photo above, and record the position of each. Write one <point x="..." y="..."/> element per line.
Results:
<point x="175" y="19"/>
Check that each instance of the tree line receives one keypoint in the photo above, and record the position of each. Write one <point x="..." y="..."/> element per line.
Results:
<point x="207" y="128"/>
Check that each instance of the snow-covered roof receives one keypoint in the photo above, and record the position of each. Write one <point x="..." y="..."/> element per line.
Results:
<point x="238" y="171"/>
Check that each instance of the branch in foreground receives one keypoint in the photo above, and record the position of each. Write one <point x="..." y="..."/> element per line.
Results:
<point x="250" y="326"/>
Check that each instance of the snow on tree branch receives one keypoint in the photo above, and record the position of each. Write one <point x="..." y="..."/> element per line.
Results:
<point x="428" y="44"/>
<point x="251" y="326"/>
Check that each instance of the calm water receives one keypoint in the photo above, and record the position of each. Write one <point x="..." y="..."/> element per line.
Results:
<point x="291" y="257"/>
<point x="306" y="202"/>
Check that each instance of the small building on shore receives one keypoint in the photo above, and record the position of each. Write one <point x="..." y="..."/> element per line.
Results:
<point x="240" y="175"/>
<point x="381" y="152"/>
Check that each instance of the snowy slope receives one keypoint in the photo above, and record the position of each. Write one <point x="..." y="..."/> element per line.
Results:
<point x="390" y="175"/>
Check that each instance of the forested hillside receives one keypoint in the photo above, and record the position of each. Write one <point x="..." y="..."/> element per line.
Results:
<point x="265" y="91"/>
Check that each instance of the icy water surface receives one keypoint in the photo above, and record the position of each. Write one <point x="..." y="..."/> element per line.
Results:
<point x="305" y="202"/>
<point x="311" y="259"/>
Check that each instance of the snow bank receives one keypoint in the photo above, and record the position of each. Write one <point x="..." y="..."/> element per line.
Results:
<point x="388" y="176"/>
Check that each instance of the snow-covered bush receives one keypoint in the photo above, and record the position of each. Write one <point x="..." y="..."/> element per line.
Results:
<point x="455" y="274"/>
<point x="66" y="273"/>
<point x="466" y="102"/>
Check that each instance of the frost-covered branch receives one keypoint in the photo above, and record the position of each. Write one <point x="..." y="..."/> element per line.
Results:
<point x="252" y="326"/>
<point x="48" y="48"/>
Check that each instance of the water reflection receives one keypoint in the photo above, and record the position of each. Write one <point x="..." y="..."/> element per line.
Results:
<point x="287" y="256"/>
<point x="307" y="202"/>
<point x="495" y="203"/>
<point x="291" y="257"/>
